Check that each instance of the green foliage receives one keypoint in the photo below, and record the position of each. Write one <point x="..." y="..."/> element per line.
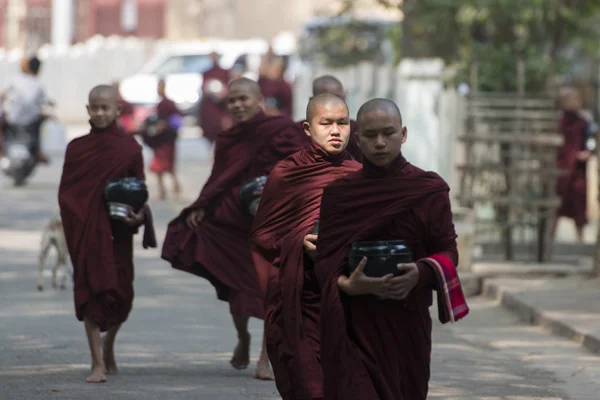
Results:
<point x="549" y="35"/>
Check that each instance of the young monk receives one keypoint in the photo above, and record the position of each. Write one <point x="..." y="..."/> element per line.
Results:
<point x="283" y="244"/>
<point x="573" y="157"/>
<point x="163" y="143"/>
<point x="330" y="84"/>
<point x="101" y="248"/>
<point x="210" y="238"/>
<point x="376" y="332"/>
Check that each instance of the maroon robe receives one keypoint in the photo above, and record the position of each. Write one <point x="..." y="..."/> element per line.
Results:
<point x="352" y="146"/>
<point x="213" y="115"/>
<point x="126" y="117"/>
<point x="163" y="144"/>
<point x="572" y="187"/>
<point x="277" y="92"/>
<point x="101" y="249"/>
<point x="219" y="248"/>
<point x="374" y="349"/>
<point x="288" y="210"/>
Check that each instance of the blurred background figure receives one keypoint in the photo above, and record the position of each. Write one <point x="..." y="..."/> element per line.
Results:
<point x="125" y="120"/>
<point x="276" y="90"/>
<point x="213" y="109"/>
<point x="159" y="132"/>
<point x="576" y="128"/>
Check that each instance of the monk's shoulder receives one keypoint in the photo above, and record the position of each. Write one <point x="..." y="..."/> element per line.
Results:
<point x="432" y="177"/>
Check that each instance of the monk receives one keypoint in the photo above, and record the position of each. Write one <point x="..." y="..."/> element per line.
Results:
<point x="283" y="245"/>
<point x="330" y="84"/>
<point x="376" y="332"/>
<point x="211" y="237"/>
<point x="277" y="92"/>
<point x="213" y="109"/>
<point x="126" y="117"/>
<point x="101" y="248"/>
<point x="164" y="141"/>
<point x="573" y="157"/>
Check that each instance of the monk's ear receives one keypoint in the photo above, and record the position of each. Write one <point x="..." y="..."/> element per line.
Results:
<point x="306" y="127"/>
<point x="119" y="108"/>
<point x="404" y="134"/>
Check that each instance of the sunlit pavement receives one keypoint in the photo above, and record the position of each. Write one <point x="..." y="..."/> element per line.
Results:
<point x="179" y="337"/>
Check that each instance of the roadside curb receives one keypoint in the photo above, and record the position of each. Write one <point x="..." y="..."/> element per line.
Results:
<point x="533" y="316"/>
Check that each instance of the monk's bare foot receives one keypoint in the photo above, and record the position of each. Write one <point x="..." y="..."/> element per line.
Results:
<point x="110" y="365"/>
<point x="97" y="375"/>
<point x="241" y="354"/>
<point x="263" y="371"/>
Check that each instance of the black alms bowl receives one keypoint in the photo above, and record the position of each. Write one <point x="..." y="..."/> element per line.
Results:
<point x="125" y="194"/>
<point x="248" y="199"/>
<point x="383" y="257"/>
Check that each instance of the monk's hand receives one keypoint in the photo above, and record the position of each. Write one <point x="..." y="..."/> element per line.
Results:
<point x="360" y="284"/>
<point x="134" y="219"/>
<point x="194" y="218"/>
<point x="584" y="155"/>
<point x="310" y="246"/>
<point x="161" y="125"/>
<point x="401" y="286"/>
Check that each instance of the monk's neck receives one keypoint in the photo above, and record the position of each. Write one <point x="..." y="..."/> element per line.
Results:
<point x="318" y="154"/>
<point x="393" y="169"/>
<point x="113" y="127"/>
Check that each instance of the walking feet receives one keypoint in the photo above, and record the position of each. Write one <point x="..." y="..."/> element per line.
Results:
<point x="97" y="375"/>
<point x="241" y="354"/>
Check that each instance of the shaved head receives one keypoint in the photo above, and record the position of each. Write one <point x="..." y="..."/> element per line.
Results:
<point x="379" y="105"/>
<point x="244" y="99"/>
<point x="103" y="106"/>
<point x="328" y="84"/>
<point x="105" y="91"/>
<point x="380" y="131"/>
<point x="320" y="101"/>
<point x="245" y="83"/>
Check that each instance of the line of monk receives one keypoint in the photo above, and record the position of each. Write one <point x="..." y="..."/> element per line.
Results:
<point x="328" y="334"/>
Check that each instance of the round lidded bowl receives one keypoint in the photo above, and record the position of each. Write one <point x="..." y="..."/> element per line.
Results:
<point x="248" y="199"/>
<point x="125" y="194"/>
<point x="383" y="257"/>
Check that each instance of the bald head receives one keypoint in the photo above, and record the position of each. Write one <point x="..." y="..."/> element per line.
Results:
<point x="103" y="106"/>
<point x="245" y="84"/>
<point x="321" y="102"/>
<point x="244" y="99"/>
<point x="379" y="106"/>
<point x="328" y="84"/>
<point x="107" y="92"/>
<point x="380" y="132"/>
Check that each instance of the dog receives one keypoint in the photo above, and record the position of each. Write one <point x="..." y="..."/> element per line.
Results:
<point x="53" y="235"/>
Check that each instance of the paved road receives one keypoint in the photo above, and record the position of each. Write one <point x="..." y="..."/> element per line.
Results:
<point x="179" y="338"/>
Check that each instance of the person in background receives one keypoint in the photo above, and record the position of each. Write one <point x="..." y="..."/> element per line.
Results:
<point x="576" y="128"/>
<point x="127" y="112"/>
<point x="22" y="103"/>
<point x="213" y="109"/>
<point x="162" y="139"/>
<point x="277" y="92"/>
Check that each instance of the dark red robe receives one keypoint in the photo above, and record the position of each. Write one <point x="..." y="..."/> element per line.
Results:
<point x="572" y="187"/>
<point x="219" y="249"/>
<point x="288" y="211"/>
<point x="374" y="349"/>
<point x="214" y="117"/>
<point x="352" y="146"/>
<point x="101" y="249"/>
<point x="164" y="143"/>
<point x="279" y="93"/>
<point x="126" y="117"/>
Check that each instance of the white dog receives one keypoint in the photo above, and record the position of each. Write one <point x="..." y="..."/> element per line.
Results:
<point x="54" y="236"/>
